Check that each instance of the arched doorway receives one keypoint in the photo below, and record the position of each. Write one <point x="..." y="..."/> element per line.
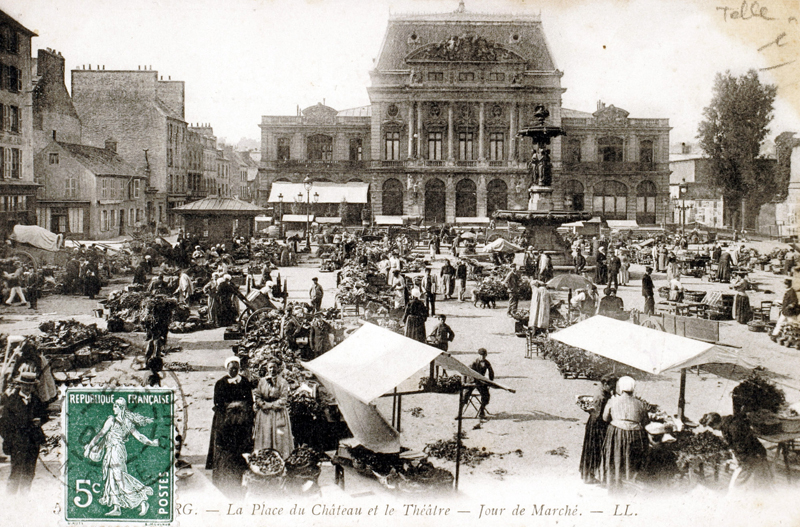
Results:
<point x="496" y="196"/>
<point x="392" y="198"/>
<point x="646" y="203"/>
<point x="466" y="199"/>
<point x="434" y="201"/>
<point x="611" y="200"/>
<point x="573" y="195"/>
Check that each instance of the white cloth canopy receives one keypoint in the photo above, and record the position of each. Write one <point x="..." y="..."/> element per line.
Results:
<point x="371" y="362"/>
<point x="501" y="245"/>
<point x="646" y="349"/>
<point x="38" y="237"/>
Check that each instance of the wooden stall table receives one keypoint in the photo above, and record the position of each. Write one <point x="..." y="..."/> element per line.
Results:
<point x="675" y="308"/>
<point x="784" y="443"/>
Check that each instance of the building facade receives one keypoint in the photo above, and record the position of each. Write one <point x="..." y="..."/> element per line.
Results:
<point x="439" y="141"/>
<point x="17" y="185"/>
<point x="145" y="115"/>
<point x="90" y="193"/>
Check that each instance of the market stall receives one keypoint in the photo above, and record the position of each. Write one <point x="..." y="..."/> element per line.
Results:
<point x="372" y="363"/>
<point x="217" y="219"/>
<point x="646" y="349"/>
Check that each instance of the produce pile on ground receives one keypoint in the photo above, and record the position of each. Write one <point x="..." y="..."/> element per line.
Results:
<point x="362" y="284"/>
<point x="470" y="456"/>
<point x="103" y="348"/>
<point x="137" y="309"/>
<point x="441" y="384"/>
<point x="704" y="447"/>
<point x="303" y="461"/>
<point x="576" y="363"/>
<point x="396" y="473"/>
<point x="65" y="333"/>
<point x="757" y="393"/>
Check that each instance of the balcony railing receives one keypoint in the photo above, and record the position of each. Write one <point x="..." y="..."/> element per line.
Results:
<point x="466" y="163"/>
<point x="609" y="168"/>
<point x="434" y="163"/>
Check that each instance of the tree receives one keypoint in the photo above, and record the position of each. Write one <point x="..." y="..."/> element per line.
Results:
<point x="731" y="134"/>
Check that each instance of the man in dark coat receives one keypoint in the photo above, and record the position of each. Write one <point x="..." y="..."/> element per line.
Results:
<point x="21" y="429"/>
<point x="511" y="282"/>
<point x="315" y="294"/>
<point x="648" y="291"/>
<point x="461" y="279"/>
<point x="614" y="265"/>
<point x="484" y="367"/>
<point x="600" y="270"/>
<point x="442" y="334"/>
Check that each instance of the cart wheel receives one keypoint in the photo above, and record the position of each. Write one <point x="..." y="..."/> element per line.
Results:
<point x="653" y="324"/>
<point x="254" y="319"/>
<point x="25" y="257"/>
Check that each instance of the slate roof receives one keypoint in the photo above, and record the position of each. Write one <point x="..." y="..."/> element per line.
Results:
<point x="100" y="161"/>
<point x="216" y="204"/>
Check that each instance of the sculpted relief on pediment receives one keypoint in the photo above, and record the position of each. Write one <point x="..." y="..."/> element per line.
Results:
<point x="464" y="48"/>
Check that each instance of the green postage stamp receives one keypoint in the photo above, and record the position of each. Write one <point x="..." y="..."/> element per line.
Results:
<point x="119" y="454"/>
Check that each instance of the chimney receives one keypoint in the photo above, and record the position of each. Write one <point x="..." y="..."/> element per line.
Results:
<point x="54" y="135"/>
<point x="111" y="145"/>
<point x="685" y="149"/>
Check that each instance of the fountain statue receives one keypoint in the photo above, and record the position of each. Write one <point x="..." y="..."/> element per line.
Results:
<point x="541" y="220"/>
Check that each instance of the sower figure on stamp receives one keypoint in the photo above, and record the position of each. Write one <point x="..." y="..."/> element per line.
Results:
<point x="21" y="428"/>
<point x="120" y="488"/>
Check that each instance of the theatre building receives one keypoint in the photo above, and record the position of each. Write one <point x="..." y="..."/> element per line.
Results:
<point x="439" y="140"/>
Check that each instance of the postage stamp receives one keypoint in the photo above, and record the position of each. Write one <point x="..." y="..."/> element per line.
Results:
<point x="119" y="454"/>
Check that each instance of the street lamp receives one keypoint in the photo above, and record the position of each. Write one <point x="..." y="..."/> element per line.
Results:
<point x="280" y="224"/>
<point x="307" y="184"/>
<point x="682" y="190"/>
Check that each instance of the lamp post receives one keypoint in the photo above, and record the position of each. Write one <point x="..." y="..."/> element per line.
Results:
<point x="307" y="184"/>
<point x="280" y="224"/>
<point x="682" y="190"/>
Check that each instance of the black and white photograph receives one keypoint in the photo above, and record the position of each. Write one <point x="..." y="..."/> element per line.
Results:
<point x="400" y="262"/>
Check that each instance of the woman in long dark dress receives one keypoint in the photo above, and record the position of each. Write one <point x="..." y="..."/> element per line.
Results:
<point x="724" y="267"/>
<point x="228" y="310"/>
<point x="595" y="434"/>
<point x="231" y="430"/>
<point x="626" y="443"/>
<point x="415" y="316"/>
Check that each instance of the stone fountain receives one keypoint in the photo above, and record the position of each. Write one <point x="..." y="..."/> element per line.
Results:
<point x="540" y="220"/>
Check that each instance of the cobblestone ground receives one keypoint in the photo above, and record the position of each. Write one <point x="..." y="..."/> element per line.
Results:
<point x="540" y="419"/>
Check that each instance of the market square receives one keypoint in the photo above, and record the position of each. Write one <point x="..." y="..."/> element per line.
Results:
<point x="463" y="301"/>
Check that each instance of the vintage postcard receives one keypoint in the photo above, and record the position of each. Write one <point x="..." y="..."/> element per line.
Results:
<point x="399" y="262"/>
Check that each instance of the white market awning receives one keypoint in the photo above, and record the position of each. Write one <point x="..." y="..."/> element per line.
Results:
<point x="646" y="349"/>
<point x="372" y="362"/>
<point x="478" y="220"/>
<point x="622" y="224"/>
<point x="355" y="192"/>
<point x="329" y="219"/>
<point x="388" y="220"/>
<point x="297" y="218"/>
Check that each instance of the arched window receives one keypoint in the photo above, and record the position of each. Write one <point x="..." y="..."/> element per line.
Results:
<point x="611" y="200"/>
<point x="435" y="201"/>
<point x="466" y="199"/>
<point x="392" y="198"/>
<point x="496" y="196"/>
<point x="320" y="147"/>
<point x="646" y="203"/>
<point x="573" y="195"/>
<point x="572" y="150"/>
<point x="610" y="149"/>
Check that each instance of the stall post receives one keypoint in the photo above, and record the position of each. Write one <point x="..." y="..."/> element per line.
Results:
<point x="682" y="395"/>
<point x="458" y="437"/>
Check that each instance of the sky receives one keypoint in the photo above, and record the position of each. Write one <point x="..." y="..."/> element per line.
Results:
<point x="242" y="59"/>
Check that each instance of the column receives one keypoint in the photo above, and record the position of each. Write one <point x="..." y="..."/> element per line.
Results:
<point x="512" y="133"/>
<point x="410" y="130"/>
<point x="419" y="130"/>
<point x="481" y="122"/>
<point x="450" y="131"/>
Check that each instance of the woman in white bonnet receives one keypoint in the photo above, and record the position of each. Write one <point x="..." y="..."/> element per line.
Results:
<point x="626" y="443"/>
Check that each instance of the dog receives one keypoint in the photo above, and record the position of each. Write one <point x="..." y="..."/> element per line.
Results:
<point x="484" y="300"/>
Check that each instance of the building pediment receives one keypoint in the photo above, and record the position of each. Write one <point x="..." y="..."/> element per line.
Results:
<point x="319" y="114"/>
<point x="464" y="48"/>
<point x="610" y="116"/>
